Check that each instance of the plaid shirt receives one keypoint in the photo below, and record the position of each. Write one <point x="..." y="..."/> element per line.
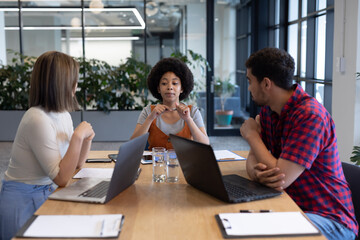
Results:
<point x="305" y="134"/>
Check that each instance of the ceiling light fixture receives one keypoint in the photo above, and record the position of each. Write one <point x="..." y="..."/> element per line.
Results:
<point x="152" y="9"/>
<point x="132" y="12"/>
<point x="102" y="38"/>
<point x="97" y="5"/>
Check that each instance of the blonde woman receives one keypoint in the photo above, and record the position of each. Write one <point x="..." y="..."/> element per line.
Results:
<point x="46" y="148"/>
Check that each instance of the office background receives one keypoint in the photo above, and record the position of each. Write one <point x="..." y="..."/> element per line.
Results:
<point x="322" y="36"/>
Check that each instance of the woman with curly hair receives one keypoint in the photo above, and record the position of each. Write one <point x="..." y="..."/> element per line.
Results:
<point x="170" y="81"/>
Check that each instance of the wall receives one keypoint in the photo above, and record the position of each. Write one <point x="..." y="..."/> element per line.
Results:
<point x="2" y="39"/>
<point x="346" y="88"/>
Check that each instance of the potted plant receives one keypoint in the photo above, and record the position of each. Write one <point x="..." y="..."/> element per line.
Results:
<point x="14" y="93"/>
<point x="356" y="155"/>
<point x="106" y="92"/>
<point x="224" y="89"/>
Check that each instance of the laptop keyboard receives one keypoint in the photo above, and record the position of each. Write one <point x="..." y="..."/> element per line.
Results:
<point x="237" y="191"/>
<point x="98" y="191"/>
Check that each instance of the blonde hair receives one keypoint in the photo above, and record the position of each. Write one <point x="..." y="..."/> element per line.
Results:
<point x="53" y="82"/>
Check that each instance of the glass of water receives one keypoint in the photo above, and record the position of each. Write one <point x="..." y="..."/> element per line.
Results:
<point x="172" y="166"/>
<point x="159" y="163"/>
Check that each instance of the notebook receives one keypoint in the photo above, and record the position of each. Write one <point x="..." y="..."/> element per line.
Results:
<point x="201" y="171"/>
<point x="102" y="190"/>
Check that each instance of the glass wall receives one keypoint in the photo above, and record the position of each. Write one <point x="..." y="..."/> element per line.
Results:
<point x="226" y="91"/>
<point x="109" y="31"/>
<point x="113" y="31"/>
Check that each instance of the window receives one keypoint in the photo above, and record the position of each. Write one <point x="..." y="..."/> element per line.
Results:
<point x="310" y="44"/>
<point x="303" y="28"/>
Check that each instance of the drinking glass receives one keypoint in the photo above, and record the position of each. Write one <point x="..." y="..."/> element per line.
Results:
<point x="172" y="166"/>
<point x="159" y="163"/>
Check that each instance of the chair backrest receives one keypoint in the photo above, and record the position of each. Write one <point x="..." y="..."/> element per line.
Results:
<point x="352" y="175"/>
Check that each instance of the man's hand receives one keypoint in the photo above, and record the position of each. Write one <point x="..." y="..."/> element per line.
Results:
<point x="250" y="127"/>
<point x="270" y="177"/>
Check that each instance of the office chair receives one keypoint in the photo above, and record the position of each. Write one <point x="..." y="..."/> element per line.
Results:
<point x="352" y="175"/>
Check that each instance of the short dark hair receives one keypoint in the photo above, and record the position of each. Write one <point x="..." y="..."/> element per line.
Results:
<point x="273" y="63"/>
<point x="176" y="66"/>
<point x="53" y="81"/>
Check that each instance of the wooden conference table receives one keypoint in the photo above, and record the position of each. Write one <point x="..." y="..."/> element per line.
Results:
<point x="169" y="210"/>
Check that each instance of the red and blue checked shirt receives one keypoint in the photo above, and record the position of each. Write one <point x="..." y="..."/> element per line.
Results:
<point x="305" y="134"/>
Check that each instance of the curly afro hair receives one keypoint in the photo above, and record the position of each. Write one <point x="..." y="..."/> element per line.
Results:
<point x="176" y="66"/>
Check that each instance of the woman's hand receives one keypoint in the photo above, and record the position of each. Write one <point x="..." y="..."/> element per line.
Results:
<point x="158" y="110"/>
<point x="184" y="111"/>
<point x="85" y="131"/>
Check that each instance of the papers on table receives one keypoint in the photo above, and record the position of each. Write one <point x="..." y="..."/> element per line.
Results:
<point x="95" y="172"/>
<point x="221" y="155"/>
<point x="226" y="155"/>
<point x="147" y="153"/>
<point x="73" y="226"/>
<point x="265" y="224"/>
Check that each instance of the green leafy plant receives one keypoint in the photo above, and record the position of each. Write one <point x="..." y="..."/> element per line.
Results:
<point x="101" y="86"/>
<point x="104" y="87"/>
<point x="198" y="63"/>
<point x="132" y="76"/>
<point x="224" y="89"/>
<point x="15" y="81"/>
<point x="356" y="155"/>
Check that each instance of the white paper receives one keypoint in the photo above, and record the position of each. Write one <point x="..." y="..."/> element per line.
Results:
<point x="75" y="226"/>
<point x="226" y="155"/>
<point x="95" y="172"/>
<point x="147" y="153"/>
<point x="277" y="223"/>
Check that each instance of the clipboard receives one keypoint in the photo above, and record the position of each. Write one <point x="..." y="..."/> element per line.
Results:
<point x="72" y="226"/>
<point x="255" y="232"/>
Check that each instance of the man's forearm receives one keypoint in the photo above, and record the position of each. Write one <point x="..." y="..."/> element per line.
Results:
<point x="261" y="153"/>
<point x="250" y="164"/>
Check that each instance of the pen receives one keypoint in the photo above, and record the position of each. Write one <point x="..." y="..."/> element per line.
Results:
<point x="138" y="173"/>
<point x="102" y="227"/>
<point x="227" y="158"/>
<point x="255" y="211"/>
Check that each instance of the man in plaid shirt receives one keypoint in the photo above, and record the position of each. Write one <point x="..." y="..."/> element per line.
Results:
<point x="293" y="145"/>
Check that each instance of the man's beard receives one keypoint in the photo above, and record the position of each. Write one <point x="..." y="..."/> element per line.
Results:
<point x="257" y="102"/>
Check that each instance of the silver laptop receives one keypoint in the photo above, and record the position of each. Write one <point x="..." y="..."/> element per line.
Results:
<point x="102" y="190"/>
<point x="201" y="170"/>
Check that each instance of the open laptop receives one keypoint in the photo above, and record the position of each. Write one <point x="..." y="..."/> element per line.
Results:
<point x="201" y="171"/>
<point x="102" y="190"/>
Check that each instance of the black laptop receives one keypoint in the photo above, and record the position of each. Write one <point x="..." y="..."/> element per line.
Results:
<point x="201" y="171"/>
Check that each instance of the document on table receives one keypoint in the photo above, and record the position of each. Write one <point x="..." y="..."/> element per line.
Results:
<point x="95" y="172"/>
<point x="147" y="153"/>
<point x="73" y="226"/>
<point x="226" y="155"/>
<point x="265" y="224"/>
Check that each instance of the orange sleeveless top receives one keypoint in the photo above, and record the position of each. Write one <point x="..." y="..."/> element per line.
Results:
<point x="159" y="139"/>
